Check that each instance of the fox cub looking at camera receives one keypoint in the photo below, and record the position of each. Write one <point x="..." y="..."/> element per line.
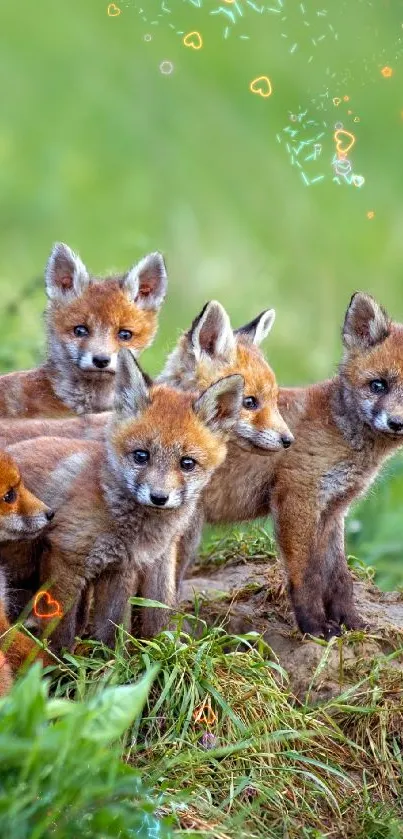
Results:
<point x="208" y="351"/>
<point x="122" y="505"/>
<point x="344" y="430"/>
<point x="88" y="320"/>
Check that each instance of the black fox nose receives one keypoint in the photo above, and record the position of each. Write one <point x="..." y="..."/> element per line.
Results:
<point x="287" y="440"/>
<point x="101" y="361"/>
<point x="159" y="499"/>
<point x="50" y="514"/>
<point x="395" y="424"/>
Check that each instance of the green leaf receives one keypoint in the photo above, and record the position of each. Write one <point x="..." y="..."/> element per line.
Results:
<point x="114" y="710"/>
<point x="143" y="601"/>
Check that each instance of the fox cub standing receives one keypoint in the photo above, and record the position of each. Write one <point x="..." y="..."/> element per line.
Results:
<point x="22" y="517"/>
<point x="345" y="428"/>
<point x="122" y="505"/>
<point x="88" y="321"/>
<point x="209" y="350"/>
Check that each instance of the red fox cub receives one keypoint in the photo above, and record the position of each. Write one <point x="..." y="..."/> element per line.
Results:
<point x="22" y="517"/>
<point x="122" y="505"/>
<point x="207" y="352"/>
<point x="345" y="428"/>
<point x="88" y="321"/>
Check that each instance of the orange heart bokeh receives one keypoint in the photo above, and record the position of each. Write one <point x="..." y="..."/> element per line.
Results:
<point x="261" y="86"/>
<point x="194" y="40"/>
<point x="52" y="606"/>
<point x="113" y="10"/>
<point x="342" y="136"/>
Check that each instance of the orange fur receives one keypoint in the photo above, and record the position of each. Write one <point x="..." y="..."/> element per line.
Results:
<point x="88" y="320"/>
<point x="107" y="529"/>
<point x="342" y="438"/>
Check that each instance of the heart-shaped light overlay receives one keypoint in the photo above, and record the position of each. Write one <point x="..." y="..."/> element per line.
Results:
<point x="113" y="10"/>
<point x="344" y="141"/>
<point x="261" y="86"/>
<point x="49" y="608"/>
<point x="193" y="40"/>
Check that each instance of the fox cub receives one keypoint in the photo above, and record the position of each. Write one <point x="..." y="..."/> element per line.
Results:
<point x="22" y="517"/>
<point x="88" y="321"/>
<point x="122" y="505"/>
<point x="345" y="428"/>
<point x="208" y="351"/>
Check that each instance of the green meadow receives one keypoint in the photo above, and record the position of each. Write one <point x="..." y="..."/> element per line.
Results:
<point x="102" y="149"/>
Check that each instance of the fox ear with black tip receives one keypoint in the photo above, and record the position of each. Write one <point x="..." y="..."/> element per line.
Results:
<point x="132" y="388"/>
<point x="258" y="329"/>
<point x="365" y="324"/>
<point x="211" y="333"/>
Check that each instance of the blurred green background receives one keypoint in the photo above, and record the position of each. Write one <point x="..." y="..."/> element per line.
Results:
<point x="101" y="149"/>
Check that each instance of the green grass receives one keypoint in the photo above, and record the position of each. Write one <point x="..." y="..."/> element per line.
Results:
<point x="200" y="730"/>
<point x="100" y="149"/>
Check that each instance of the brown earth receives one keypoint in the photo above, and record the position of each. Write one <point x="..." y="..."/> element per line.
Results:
<point x="250" y="595"/>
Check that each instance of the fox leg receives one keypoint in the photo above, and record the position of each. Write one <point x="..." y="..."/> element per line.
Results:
<point x="111" y="593"/>
<point x="17" y="647"/>
<point x="338" y="593"/>
<point x="298" y="532"/>
<point x="66" y="587"/>
<point x="158" y="583"/>
<point x="188" y="546"/>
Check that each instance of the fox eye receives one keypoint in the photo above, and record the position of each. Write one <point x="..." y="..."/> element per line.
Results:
<point x="250" y="403"/>
<point x="188" y="464"/>
<point x="125" y="334"/>
<point x="10" y="496"/>
<point x="141" y="456"/>
<point x="81" y="331"/>
<point x="379" y="386"/>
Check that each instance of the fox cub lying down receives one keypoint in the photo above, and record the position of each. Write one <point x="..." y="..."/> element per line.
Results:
<point x="122" y="504"/>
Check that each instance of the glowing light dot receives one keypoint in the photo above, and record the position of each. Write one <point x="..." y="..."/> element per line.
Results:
<point x="356" y="119"/>
<point x="166" y="68"/>
<point x="336" y="101"/>
<point x="346" y="98"/>
<point x="147" y="37"/>
<point x="387" y="72"/>
<point x="370" y="214"/>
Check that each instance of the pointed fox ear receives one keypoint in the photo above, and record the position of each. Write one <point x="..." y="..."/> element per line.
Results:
<point x="366" y="323"/>
<point x="146" y="283"/>
<point x="211" y="333"/>
<point x="65" y="275"/>
<point x="258" y="329"/>
<point x="219" y="406"/>
<point x="132" y="389"/>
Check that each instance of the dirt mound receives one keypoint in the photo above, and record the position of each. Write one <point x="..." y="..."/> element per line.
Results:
<point x="251" y="596"/>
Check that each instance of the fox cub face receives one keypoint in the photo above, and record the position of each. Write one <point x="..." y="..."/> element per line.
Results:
<point x="372" y="368"/>
<point x="165" y="444"/>
<point x="211" y="349"/>
<point x="22" y="516"/>
<point x="90" y="320"/>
